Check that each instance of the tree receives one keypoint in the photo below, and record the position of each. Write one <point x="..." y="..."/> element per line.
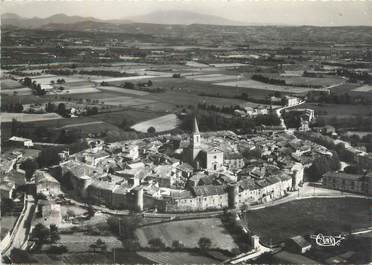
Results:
<point x="49" y="156"/>
<point x="93" y="246"/>
<point x="41" y="132"/>
<point x="18" y="107"/>
<point x="204" y="243"/>
<point x="129" y="85"/>
<point x="50" y="107"/>
<point x="177" y="244"/>
<point x="15" y="127"/>
<point x="101" y="244"/>
<point x="29" y="165"/>
<point x="130" y="244"/>
<point x="90" y="211"/>
<point x="7" y="206"/>
<point x="61" y="110"/>
<point x="125" y="124"/>
<point x="40" y="233"/>
<point x="57" y="249"/>
<point x="156" y="243"/>
<point x="53" y="233"/>
<point x="124" y="226"/>
<point x="151" y="130"/>
<point x="353" y="169"/>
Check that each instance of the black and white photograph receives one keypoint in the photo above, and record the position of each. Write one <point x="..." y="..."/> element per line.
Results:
<point x="186" y="132"/>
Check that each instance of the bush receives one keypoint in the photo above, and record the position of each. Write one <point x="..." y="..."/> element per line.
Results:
<point x="156" y="243"/>
<point x="204" y="243"/>
<point x="151" y="130"/>
<point x="57" y="249"/>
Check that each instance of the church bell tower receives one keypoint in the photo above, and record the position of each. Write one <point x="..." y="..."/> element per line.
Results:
<point x="195" y="140"/>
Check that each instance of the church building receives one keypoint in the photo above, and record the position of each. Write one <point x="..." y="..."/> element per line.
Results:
<point x="202" y="156"/>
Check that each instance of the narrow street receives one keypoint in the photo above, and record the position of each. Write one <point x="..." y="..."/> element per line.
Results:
<point x="22" y="227"/>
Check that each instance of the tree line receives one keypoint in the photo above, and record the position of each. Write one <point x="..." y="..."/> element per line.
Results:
<point x="333" y="98"/>
<point x="213" y="121"/>
<point x="36" y="88"/>
<point x="279" y="82"/>
<point x="224" y="109"/>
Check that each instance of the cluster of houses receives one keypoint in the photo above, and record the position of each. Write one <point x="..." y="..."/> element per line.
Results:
<point x="186" y="173"/>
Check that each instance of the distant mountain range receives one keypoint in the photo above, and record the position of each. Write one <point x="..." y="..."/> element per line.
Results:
<point x="171" y="17"/>
<point x="174" y="17"/>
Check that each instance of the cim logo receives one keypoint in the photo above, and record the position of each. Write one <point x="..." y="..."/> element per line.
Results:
<point x="327" y="241"/>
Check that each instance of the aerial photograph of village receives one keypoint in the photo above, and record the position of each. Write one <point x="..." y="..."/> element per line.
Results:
<point x="179" y="132"/>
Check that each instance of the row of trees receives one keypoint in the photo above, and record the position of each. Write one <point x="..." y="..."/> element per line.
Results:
<point x="204" y="244"/>
<point x="279" y="82"/>
<point x="88" y="72"/>
<point x="333" y="98"/>
<point x="356" y="122"/>
<point x="224" y="109"/>
<point x="145" y="86"/>
<point x="212" y="121"/>
<point x="64" y="112"/>
<point x="355" y="76"/>
<point x="268" y="80"/>
<point x="36" y="88"/>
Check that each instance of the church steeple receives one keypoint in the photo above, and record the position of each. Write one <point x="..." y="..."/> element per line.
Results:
<point x="195" y="128"/>
<point x="195" y="137"/>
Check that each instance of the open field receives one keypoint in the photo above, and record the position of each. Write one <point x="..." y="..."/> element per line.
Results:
<point x="23" y="117"/>
<point x="195" y="87"/>
<point x="10" y="84"/>
<point x="365" y="88"/>
<point x="308" y="216"/>
<point x="263" y="86"/>
<point x="47" y="80"/>
<point x="211" y="77"/>
<point x="344" y="88"/>
<point x="124" y="90"/>
<point x="163" y="123"/>
<point x="120" y="79"/>
<point x="76" y="90"/>
<point x="117" y="117"/>
<point x="181" y="98"/>
<point x="164" y="257"/>
<point x="79" y="242"/>
<point x="18" y="91"/>
<point x="189" y="232"/>
<point x="123" y="101"/>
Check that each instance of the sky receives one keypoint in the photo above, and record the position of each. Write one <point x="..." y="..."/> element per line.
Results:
<point x="300" y="12"/>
